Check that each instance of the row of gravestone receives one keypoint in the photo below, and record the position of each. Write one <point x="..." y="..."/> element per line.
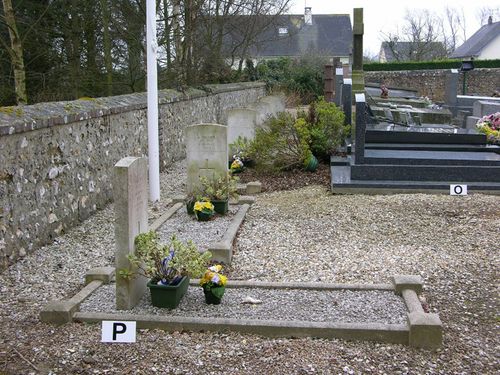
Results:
<point x="207" y="156"/>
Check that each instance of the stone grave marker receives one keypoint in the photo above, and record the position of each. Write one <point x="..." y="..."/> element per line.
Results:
<point x="240" y="123"/>
<point x="483" y="108"/>
<point x="359" y="153"/>
<point x="130" y="191"/>
<point x="450" y="90"/>
<point x="264" y="111"/>
<point x="347" y="100"/>
<point x="206" y="153"/>
<point x="339" y="79"/>
<point x="276" y="102"/>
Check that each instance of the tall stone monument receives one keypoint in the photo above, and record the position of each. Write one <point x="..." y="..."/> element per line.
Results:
<point x="358" y="78"/>
<point x="347" y="100"/>
<point x="206" y="153"/>
<point x="339" y="79"/>
<point x="130" y="192"/>
<point x="329" y="84"/>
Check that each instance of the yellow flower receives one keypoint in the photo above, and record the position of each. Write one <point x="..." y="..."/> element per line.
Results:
<point x="200" y="206"/>
<point x="223" y="280"/>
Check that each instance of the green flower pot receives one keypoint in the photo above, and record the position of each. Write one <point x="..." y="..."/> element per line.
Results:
<point x="190" y="207"/>
<point x="213" y="296"/>
<point x="203" y="216"/>
<point x="168" y="296"/>
<point x="311" y="164"/>
<point x="221" y="207"/>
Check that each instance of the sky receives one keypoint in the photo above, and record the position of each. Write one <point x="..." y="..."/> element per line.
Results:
<point x="381" y="16"/>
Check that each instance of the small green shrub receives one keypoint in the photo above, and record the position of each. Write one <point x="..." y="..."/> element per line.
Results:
<point x="282" y="144"/>
<point x="286" y="142"/>
<point x="327" y="129"/>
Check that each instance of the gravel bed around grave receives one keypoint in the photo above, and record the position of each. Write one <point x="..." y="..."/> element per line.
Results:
<point x="344" y="306"/>
<point x="203" y="233"/>
<point x="307" y="234"/>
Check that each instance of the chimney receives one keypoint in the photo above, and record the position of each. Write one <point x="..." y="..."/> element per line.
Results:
<point x="490" y="20"/>
<point x="308" y="18"/>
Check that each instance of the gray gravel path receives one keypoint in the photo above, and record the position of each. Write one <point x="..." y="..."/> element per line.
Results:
<point x="309" y="234"/>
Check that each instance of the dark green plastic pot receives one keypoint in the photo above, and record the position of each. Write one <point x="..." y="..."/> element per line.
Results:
<point x="311" y="164"/>
<point x="221" y="207"/>
<point x="211" y="298"/>
<point x="167" y="296"/>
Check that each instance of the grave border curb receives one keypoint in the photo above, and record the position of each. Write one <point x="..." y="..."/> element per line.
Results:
<point x="380" y="332"/>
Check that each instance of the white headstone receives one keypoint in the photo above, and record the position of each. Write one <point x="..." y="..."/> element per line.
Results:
<point x="241" y="123"/>
<point x="206" y="153"/>
<point x="277" y="103"/>
<point x="264" y="111"/>
<point x="130" y="191"/>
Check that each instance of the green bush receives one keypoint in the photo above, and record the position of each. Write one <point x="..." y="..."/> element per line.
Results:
<point x="424" y="65"/>
<point x="286" y="142"/>
<point x="282" y="144"/>
<point x="302" y="76"/>
<point x="327" y="129"/>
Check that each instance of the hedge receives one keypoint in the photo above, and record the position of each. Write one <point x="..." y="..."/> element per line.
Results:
<point x="425" y="65"/>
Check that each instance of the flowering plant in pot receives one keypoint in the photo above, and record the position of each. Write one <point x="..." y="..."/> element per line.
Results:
<point x="490" y="125"/>
<point x="168" y="267"/>
<point x="203" y="210"/>
<point x="236" y="166"/>
<point x="213" y="283"/>
<point x="219" y="189"/>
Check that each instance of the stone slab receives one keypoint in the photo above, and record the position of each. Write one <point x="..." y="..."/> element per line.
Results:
<point x="483" y="108"/>
<point x="130" y="191"/>
<point x="254" y="187"/>
<point x="58" y="312"/>
<point x="246" y="199"/>
<point x="430" y="173"/>
<point x="425" y="157"/>
<point x="167" y="215"/>
<point x="412" y="282"/>
<point x="426" y="330"/>
<point x="104" y="274"/>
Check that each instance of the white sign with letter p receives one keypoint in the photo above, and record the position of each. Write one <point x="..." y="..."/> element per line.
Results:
<point x="113" y="331"/>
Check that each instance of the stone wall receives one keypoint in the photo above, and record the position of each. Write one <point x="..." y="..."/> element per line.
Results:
<point x="56" y="159"/>
<point x="431" y="82"/>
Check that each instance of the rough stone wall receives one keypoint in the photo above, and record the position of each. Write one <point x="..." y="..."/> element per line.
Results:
<point x="56" y="159"/>
<point x="431" y="82"/>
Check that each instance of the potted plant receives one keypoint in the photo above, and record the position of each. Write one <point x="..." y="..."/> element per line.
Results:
<point x="203" y="210"/>
<point x="240" y="149"/>
<point x="213" y="283"/>
<point x="218" y="190"/>
<point x="236" y="166"/>
<point x="168" y="267"/>
<point x="490" y="125"/>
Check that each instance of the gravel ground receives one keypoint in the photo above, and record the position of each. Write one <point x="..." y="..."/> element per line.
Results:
<point x="306" y="234"/>
<point x="315" y="306"/>
<point x="183" y="226"/>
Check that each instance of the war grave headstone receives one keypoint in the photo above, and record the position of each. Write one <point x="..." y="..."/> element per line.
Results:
<point x="264" y="111"/>
<point x="130" y="192"/>
<point x="241" y="122"/>
<point x="276" y="102"/>
<point x="206" y="153"/>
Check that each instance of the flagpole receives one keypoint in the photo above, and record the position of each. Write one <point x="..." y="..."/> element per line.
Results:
<point x="152" y="88"/>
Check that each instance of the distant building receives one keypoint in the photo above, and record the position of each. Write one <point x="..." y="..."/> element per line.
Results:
<point x="394" y="51"/>
<point x="484" y="44"/>
<point x="293" y="35"/>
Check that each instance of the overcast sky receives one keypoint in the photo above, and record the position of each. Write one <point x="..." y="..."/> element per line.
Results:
<point x="381" y="16"/>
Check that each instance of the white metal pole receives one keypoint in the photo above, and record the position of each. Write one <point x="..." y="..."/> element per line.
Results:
<point x="153" y="138"/>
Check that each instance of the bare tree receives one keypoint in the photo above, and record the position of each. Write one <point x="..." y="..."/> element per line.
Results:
<point x="16" y="53"/>
<point x="486" y="12"/>
<point x="453" y="28"/>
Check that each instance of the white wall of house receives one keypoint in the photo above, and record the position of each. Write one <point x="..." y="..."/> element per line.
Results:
<point x="491" y="51"/>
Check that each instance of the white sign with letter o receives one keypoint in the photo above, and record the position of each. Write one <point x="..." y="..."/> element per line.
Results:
<point x="458" y="189"/>
<point x="113" y="331"/>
